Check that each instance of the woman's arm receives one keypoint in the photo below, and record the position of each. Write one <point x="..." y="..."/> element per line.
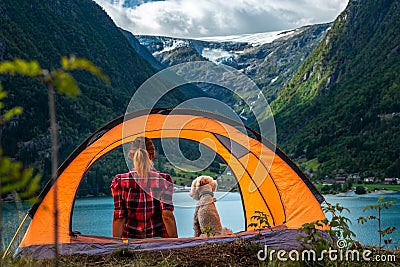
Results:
<point x="119" y="215"/>
<point x="169" y="222"/>
<point x="118" y="227"/>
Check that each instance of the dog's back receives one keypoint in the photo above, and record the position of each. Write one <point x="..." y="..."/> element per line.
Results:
<point x="206" y="214"/>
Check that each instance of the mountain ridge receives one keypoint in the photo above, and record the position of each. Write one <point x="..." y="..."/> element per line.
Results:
<point x="269" y="65"/>
<point x="333" y="107"/>
<point x="45" y="31"/>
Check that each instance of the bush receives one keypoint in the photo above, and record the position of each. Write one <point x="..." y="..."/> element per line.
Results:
<point x="360" y="190"/>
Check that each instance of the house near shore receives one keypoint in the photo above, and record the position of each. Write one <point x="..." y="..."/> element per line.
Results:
<point x="391" y="181"/>
<point x="340" y="180"/>
<point x="355" y="177"/>
<point x="369" y="180"/>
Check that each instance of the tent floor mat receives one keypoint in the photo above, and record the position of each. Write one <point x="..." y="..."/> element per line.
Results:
<point x="277" y="238"/>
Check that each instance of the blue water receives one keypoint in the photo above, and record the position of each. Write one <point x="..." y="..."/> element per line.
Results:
<point x="94" y="215"/>
<point x="229" y="206"/>
<point x="367" y="233"/>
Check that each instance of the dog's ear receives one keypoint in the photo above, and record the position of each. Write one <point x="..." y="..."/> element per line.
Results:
<point x="198" y="181"/>
<point x="214" y="185"/>
<point x="194" y="189"/>
<point x="203" y="180"/>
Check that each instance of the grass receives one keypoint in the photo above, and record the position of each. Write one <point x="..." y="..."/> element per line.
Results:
<point x="182" y="177"/>
<point x="312" y="164"/>
<point x="371" y="187"/>
<point x="393" y="187"/>
<point x="238" y="253"/>
<point x="318" y="186"/>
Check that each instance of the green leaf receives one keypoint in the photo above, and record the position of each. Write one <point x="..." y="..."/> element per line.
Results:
<point x="32" y="188"/>
<point x="3" y="94"/>
<point x="387" y="231"/>
<point x="380" y="199"/>
<point x="66" y="84"/>
<point x="7" y="67"/>
<point x="31" y="68"/>
<point x="65" y="63"/>
<point x="74" y="63"/>
<point x="12" y="112"/>
<point x="18" y="182"/>
<point x="370" y="207"/>
<point x="334" y="224"/>
<point x="20" y="66"/>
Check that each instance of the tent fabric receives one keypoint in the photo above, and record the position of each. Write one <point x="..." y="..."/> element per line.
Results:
<point x="268" y="180"/>
<point x="277" y="239"/>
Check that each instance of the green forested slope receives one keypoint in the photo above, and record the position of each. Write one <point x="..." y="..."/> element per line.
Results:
<point x="343" y="105"/>
<point x="44" y="31"/>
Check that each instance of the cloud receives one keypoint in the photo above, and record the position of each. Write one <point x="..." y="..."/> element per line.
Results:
<point x="200" y="18"/>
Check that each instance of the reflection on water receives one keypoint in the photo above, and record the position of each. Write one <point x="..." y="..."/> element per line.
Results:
<point x="94" y="215"/>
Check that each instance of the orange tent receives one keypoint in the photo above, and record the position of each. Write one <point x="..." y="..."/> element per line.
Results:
<point x="268" y="180"/>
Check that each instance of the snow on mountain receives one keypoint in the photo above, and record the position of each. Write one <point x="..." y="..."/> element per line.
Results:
<point x="255" y="39"/>
<point x="216" y="55"/>
<point x="218" y="49"/>
<point x="270" y="59"/>
<point x="172" y="45"/>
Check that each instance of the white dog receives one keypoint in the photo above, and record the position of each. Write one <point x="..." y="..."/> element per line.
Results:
<point x="206" y="214"/>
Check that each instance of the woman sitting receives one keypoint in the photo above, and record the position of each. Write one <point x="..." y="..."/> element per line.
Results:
<point x="143" y="205"/>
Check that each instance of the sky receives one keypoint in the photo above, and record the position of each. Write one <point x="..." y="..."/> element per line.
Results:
<point x="204" y="18"/>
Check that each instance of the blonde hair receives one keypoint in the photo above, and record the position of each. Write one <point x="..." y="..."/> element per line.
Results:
<point x="142" y="153"/>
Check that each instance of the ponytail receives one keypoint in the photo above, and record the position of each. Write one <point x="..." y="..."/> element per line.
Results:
<point x="142" y="163"/>
<point x="142" y="153"/>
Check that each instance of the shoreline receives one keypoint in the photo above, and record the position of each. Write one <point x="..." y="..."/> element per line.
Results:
<point x="369" y="193"/>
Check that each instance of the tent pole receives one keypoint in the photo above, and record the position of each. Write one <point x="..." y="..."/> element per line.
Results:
<point x="15" y="235"/>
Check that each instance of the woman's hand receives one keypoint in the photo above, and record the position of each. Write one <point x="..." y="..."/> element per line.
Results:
<point x="169" y="222"/>
<point x="118" y="227"/>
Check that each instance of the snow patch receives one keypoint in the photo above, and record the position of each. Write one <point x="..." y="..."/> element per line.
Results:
<point x="169" y="47"/>
<point x="274" y="80"/>
<point x="255" y="39"/>
<point x="215" y="55"/>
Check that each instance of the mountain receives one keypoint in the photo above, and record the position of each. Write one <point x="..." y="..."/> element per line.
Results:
<point x="131" y="3"/>
<point x="342" y="108"/>
<point x="44" y="31"/>
<point x="142" y="51"/>
<point x="171" y="51"/>
<point x="269" y="59"/>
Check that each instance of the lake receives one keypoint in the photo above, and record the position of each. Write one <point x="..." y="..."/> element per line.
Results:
<point x="229" y="206"/>
<point x="367" y="233"/>
<point x="94" y="215"/>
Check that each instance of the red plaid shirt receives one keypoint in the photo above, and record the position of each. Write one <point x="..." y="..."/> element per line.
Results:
<point x="142" y="204"/>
